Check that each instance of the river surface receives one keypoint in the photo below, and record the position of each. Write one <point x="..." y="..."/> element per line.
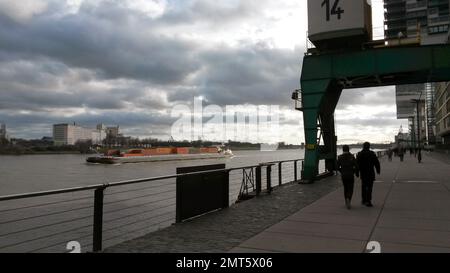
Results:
<point x="30" y="173"/>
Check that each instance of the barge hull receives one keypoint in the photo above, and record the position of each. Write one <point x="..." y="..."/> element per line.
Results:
<point x="139" y="159"/>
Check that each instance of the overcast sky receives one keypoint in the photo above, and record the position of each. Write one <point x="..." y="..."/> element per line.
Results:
<point x="128" y="62"/>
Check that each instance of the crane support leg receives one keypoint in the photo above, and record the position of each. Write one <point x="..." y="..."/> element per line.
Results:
<point x="321" y="97"/>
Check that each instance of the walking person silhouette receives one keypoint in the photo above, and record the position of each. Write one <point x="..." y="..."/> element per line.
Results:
<point x="348" y="168"/>
<point x="367" y="161"/>
<point x="390" y="152"/>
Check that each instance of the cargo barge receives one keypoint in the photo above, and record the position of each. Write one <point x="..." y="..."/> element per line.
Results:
<point x="159" y="154"/>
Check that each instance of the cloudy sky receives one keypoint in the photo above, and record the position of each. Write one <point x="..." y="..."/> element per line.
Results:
<point x="129" y="62"/>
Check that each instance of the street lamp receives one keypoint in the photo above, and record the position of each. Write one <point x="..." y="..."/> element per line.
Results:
<point x="417" y="102"/>
<point x="413" y="134"/>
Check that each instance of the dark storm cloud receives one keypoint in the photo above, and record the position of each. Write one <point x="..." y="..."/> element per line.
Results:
<point x="140" y="121"/>
<point x="104" y="38"/>
<point x="45" y="84"/>
<point x="121" y="66"/>
<point x="254" y="75"/>
<point x="212" y="12"/>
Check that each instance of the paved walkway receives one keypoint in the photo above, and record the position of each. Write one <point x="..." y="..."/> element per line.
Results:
<point x="411" y="213"/>
<point x="223" y="230"/>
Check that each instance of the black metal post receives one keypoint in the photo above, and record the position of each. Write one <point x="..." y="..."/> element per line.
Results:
<point x="295" y="171"/>
<point x="269" y="178"/>
<point x="303" y="168"/>
<point x="413" y="137"/>
<point x="258" y="180"/>
<point x="178" y="217"/>
<point x="280" y="174"/>
<point x="419" y="156"/>
<point x="98" y="219"/>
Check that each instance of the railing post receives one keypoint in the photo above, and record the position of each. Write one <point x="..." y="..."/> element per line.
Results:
<point x="269" y="178"/>
<point x="258" y="180"/>
<point x="98" y="219"/>
<point x="295" y="171"/>
<point x="302" y="170"/>
<point x="280" y="175"/>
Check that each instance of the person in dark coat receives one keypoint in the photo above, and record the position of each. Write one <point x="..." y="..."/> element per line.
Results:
<point x="401" y="152"/>
<point x="367" y="161"/>
<point x="348" y="168"/>
<point x="390" y="152"/>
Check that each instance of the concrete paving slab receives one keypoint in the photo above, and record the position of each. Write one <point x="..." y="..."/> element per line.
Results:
<point x="341" y="219"/>
<point x="412" y="236"/>
<point x="250" y="250"/>
<point x="357" y="209"/>
<point x="430" y="214"/>
<point x="337" y="231"/>
<point x="279" y="242"/>
<point x="410" y="248"/>
<point x="387" y="221"/>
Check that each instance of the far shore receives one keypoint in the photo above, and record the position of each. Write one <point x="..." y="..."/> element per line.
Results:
<point x="39" y="153"/>
<point x="19" y="153"/>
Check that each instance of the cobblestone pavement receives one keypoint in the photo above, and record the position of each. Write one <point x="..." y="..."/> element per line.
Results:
<point x="223" y="230"/>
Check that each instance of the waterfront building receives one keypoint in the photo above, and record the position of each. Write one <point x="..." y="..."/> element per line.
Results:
<point x="3" y="132"/>
<point x="442" y="106"/>
<point x="427" y="20"/>
<point x="442" y="110"/>
<point x="404" y="95"/>
<point x="113" y="132"/>
<point x="101" y="128"/>
<point x="407" y="109"/>
<point x="422" y="22"/>
<point x="70" y="134"/>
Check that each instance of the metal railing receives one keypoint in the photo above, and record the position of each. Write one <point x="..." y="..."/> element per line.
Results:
<point x="381" y="154"/>
<point x="107" y="214"/>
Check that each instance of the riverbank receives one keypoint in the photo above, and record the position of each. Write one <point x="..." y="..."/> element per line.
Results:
<point x="19" y="152"/>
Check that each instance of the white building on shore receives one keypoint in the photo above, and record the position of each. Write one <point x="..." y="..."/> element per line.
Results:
<point x="70" y="134"/>
<point x="3" y="133"/>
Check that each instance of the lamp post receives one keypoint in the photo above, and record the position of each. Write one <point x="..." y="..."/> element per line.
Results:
<point x="413" y="134"/>
<point x="417" y="102"/>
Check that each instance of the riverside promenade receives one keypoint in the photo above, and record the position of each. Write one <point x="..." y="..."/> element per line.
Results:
<point x="411" y="213"/>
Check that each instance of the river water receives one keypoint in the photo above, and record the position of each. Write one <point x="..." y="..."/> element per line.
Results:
<point x="30" y="173"/>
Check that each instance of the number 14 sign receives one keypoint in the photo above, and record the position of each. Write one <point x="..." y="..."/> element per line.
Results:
<point x="328" y="16"/>
<point x="335" y="10"/>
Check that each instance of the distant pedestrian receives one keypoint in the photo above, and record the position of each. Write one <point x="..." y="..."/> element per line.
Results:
<point x="401" y="153"/>
<point x="390" y="152"/>
<point x="367" y="160"/>
<point x="348" y="168"/>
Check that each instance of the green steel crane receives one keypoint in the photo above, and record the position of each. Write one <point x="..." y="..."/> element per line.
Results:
<point x="324" y="76"/>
